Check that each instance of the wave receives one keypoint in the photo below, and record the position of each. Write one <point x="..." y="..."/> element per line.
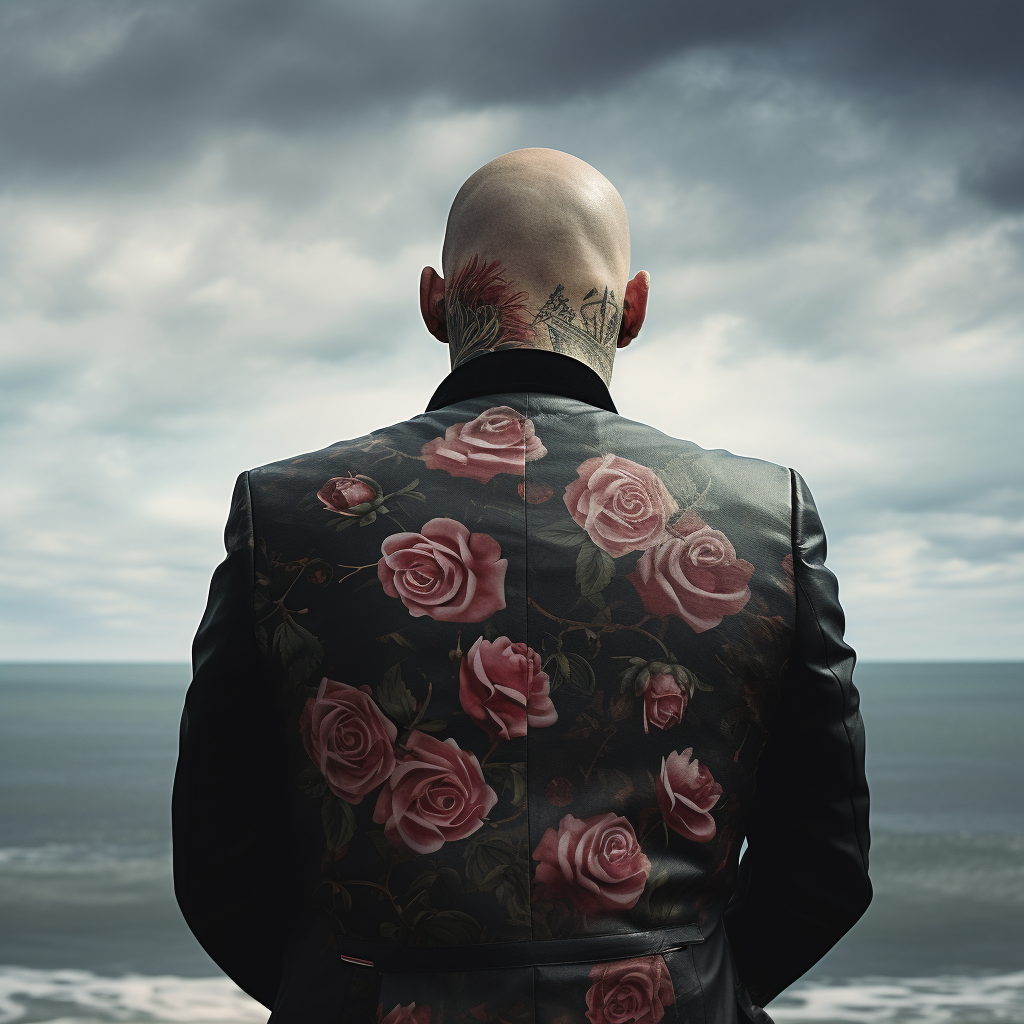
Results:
<point x="947" y="999"/>
<point x="76" y="856"/>
<point x="81" y="997"/>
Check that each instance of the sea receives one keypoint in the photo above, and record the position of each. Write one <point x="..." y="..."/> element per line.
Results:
<point x="90" y="932"/>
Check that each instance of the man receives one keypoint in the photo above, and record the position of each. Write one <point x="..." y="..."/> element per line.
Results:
<point x="486" y="702"/>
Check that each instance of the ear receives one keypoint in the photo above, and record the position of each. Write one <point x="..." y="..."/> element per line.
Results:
<point x="432" y="303"/>
<point x="634" y="308"/>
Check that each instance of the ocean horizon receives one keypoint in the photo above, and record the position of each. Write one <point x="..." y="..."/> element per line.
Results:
<point x="90" y="931"/>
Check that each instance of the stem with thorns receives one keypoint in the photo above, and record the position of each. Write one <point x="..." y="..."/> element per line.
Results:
<point x="574" y="625"/>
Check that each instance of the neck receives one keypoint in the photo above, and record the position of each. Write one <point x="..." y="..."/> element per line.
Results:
<point x="486" y="312"/>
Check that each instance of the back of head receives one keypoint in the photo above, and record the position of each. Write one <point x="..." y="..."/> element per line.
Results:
<point x="536" y="254"/>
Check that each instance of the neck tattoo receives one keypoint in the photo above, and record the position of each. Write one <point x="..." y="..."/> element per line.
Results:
<point x="484" y="314"/>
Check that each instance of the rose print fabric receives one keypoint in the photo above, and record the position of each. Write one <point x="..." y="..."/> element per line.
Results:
<point x="635" y="990"/>
<point x="497" y="441"/>
<point x="525" y="655"/>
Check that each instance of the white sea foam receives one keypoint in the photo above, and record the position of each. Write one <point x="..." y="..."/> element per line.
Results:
<point x="81" y="997"/>
<point x="948" y="999"/>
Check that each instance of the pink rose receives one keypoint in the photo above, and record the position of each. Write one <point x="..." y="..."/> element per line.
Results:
<point x="502" y="688"/>
<point x="634" y="991"/>
<point x="499" y="440"/>
<point x="444" y="571"/>
<point x="686" y="793"/>
<point x="348" y="738"/>
<point x="535" y="494"/>
<point x="340" y="493"/>
<point x="596" y="862"/>
<point x="436" y="793"/>
<point x="622" y="505"/>
<point x="664" y="701"/>
<point x="695" y="576"/>
<point x="411" y="1014"/>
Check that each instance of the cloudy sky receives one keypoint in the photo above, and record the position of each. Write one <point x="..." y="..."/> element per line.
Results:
<point x="213" y="216"/>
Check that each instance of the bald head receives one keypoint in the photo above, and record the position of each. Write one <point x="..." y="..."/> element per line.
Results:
<point x="545" y="215"/>
<point x="536" y="254"/>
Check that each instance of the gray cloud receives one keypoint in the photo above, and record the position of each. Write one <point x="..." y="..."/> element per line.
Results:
<point x="90" y="83"/>
<point x="1000" y="183"/>
<point x="213" y="216"/>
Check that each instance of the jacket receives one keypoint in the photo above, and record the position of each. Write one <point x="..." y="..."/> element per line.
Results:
<point x="485" y="704"/>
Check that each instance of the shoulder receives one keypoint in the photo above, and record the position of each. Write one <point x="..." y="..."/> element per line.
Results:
<point x="305" y="468"/>
<point x="745" y="479"/>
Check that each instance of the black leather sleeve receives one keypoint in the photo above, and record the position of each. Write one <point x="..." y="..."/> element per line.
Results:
<point x="226" y="812"/>
<point x="803" y="880"/>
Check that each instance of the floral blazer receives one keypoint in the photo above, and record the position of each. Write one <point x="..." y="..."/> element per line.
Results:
<point x="485" y="704"/>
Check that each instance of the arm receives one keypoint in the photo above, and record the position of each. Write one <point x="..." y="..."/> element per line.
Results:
<point x="229" y="863"/>
<point x="803" y="880"/>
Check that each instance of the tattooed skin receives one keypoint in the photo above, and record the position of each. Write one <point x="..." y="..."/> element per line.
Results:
<point x="589" y="337"/>
<point x="484" y="314"/>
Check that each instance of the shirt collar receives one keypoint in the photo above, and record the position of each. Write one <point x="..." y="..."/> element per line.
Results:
<point x="523" y="369"/>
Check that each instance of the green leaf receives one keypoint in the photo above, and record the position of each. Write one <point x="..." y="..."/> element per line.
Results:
<point x="730" y="723"/>
<point x="447" y="891"/>
<point x="594" y="568"/>
<point x="383" y="844"/>
<point x="341" y="523"/>
<point x="510" y="777"/>
<point x="342" y="899"/>
<point x="629" y="676"/>
<point x="377" y="489"/>
<point x="573" y="670"/>
<point x="368" y="518"/>
<point x="518" y="783"/>
<point x="433" y="725"/>
<point x="566" y="534"/>
<point x="395" y="698"/>
<point x="513" y="893"/>
<point x="423" y="881"/>
<point x="339" y="821"/>
<point x="409" y="488"/>
<point x="311" y="782"/>
<point x="310" y="501"/>
<point x="581" y="674"/>
<point x="484" y="857"/>
<point x="298" y="651"/>
<point x="678" y="477"/>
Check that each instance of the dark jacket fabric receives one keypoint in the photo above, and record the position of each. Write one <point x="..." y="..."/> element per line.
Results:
<point x="485" y="704"/>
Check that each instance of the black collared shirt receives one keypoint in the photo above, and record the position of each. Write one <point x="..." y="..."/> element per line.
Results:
<point x="523" y="369"/>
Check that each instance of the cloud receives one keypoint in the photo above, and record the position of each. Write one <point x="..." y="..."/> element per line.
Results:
<point x="90" y="84"/>
<point x="214" y="217"/>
